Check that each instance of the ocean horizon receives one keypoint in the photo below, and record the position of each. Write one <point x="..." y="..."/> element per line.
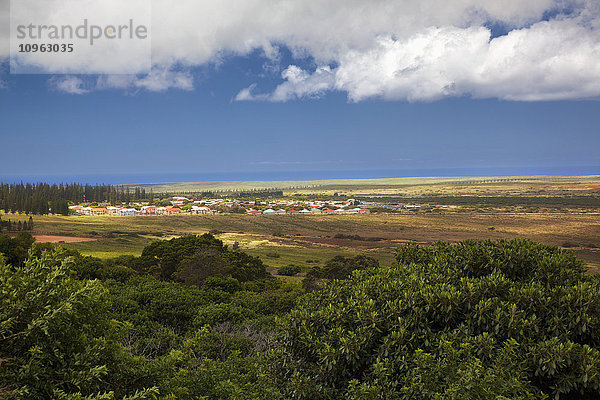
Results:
<point x="175" y="177"/>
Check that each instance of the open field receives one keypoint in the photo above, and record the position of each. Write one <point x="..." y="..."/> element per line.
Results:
<point x="61" y="239"/>
<point x="311" y="240"/>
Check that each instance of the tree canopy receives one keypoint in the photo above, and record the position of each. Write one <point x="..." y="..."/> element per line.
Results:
<point x="472" y="320"/>
<point x="476" y="320"/>
<point x="191" y="259"/>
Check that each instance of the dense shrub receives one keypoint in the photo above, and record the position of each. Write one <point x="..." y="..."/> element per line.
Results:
<point x="217" y="313"/>
<point x="225" y="284"/>
<point x="517" y="259"/>
<point x="476" y="320"/>
<point x="338" y="267"/>
<point x="276" y="302"/>
<point x="15" y="249"/>
<point x="289" y="270"/>
<point x="56" y="336"/>
<point x="191" y="259"/>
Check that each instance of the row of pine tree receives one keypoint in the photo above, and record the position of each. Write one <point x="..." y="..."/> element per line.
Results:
<point x="16" y="226"/>
<point x="43" y="198"/>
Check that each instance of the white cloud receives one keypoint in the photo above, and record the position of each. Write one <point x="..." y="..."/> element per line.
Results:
<point x="298" y="84"/>
<point x="247" y="95"/>
<point x="158" y="80"/>
<point x="552" y="60"/>
<point x="68" y="84"/>
<point x="195" y="32"/>
<point x="415" y="50"/>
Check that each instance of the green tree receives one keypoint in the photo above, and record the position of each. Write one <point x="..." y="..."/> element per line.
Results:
<point x="56" y="339"/>
<point x="15" y="249"/>
<point x="288" y="270"/>
<point x="476" y="320"/>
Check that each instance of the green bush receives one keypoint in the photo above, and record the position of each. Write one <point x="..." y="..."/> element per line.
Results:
<point x="191" y="259"/>
<point x="15" y="249"/>
<point x="338" y="267"/>
<point x="214" y="369"/>
<point x="289" y="270"/>
<point x="225" y="284"/>
<point x="56" y="336"/>
<point x="517" y="259"/>
<point x="217" y="313"/>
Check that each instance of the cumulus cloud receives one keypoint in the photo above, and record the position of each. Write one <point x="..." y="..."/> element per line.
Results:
<point x="414" y="50"/>
<point x="549" y="60"/>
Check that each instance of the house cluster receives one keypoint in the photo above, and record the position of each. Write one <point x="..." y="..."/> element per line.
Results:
<point x="312" y="211"/>
<point x="144" y="210"/>
<point x="180" y="205"/>
<point x="414" y="207"/>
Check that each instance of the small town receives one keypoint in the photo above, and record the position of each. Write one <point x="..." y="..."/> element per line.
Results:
<point x="183" y="205"/>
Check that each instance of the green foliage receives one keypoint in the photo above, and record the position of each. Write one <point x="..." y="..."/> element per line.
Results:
<point x="338" y="267"/>
<point x="66" y="335"/>
<point x="289" y="270"/>
<point x="87" y="267"/>
<point x="191" y="259"/>
<point x="270" y="302"/>
<point x="15" y="249"/>
<point x="476" y="320"/>
<point x="224" y="312"/>
<point x="225" y="284"/>
<point x="518" y="260"/>
<point x="237" y="378"/>
<point x="166" y="255"/>
<point x="159" y="312"/>
<point x="56" y="339"/>
<point x="245" y="267"/>
<point x="220" y="364"/>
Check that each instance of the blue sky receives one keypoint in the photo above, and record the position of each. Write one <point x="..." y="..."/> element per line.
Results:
<point x="298" y="114"/>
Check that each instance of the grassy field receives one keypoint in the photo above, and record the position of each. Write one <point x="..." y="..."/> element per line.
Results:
<point x="311" y="240"/>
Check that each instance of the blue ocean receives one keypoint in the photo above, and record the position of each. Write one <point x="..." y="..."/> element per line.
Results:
<point x="207" y="176"/>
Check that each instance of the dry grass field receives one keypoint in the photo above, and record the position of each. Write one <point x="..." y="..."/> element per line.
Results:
<point x="284" y="239"/>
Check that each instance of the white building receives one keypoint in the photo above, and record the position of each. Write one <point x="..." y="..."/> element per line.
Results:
<point x="200" y="210"/>
<point x="128" y="211"/>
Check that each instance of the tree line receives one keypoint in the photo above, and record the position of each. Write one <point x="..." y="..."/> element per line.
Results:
<point x="44" y="198"/>
<point x="16" y="226"/>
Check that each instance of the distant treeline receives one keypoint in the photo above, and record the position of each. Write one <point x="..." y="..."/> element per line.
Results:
<point x="252" y="193"/>
<point x="43" y="198"/>
<point x="16" y="226"/>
